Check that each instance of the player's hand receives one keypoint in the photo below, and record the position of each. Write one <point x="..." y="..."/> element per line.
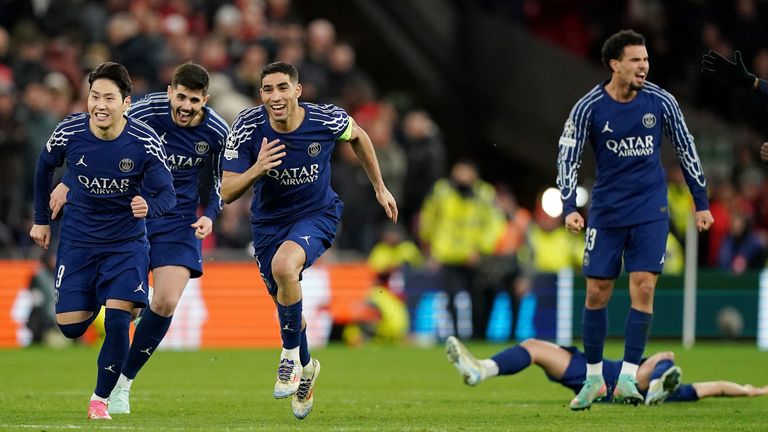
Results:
<point x="704" y="220"/>
<point x="764" y="152"/>
<point x="269" y="156"/>
<point x="574" y="222"/>
<point x="385" y="198"/>
<point x="139" y="207"/>
<point x="41" y="234"/>
<point x="730" y="72"/>
<point x="203" y="227"/>
<point x="58" y="199"/>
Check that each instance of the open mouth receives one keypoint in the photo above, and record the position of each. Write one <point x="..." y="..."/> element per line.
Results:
<point x="184" y="116"/>
<point x="278" y="109"/>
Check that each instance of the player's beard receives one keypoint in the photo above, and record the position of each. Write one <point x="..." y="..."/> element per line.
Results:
<point x="636" y="87"/>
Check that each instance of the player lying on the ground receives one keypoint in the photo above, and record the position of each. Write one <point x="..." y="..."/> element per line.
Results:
<point x="658" y="379"/>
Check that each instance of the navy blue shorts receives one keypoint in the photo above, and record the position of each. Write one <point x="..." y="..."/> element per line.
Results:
<point x="576" y="373"/>
<point x="86" y="277"/>
<point x="642" y="248"/>
<point x="314" y="233"/>
<point x="173" y="243"/>
<point x="684" y="393"/>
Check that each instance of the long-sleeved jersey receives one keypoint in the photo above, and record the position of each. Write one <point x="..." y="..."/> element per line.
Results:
<point x="301" y="184"/>
<point x="103" y="177"/>
<point x="187" y="149"/>
<point x="630" y="186"/>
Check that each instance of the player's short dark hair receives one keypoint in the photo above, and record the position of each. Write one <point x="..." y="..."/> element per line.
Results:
<point x="192" y="76"/>
<point x="280" y="67"/>
<point x="114" y="72"/>
<point x="613" y="48"/>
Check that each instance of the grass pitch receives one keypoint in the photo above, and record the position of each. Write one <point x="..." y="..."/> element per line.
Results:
<point x="362" y="389"/>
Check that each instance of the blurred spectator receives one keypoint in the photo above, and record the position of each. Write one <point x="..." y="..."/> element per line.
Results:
<point x="42" y="316"/>
<point x="358" y="229"/>
<point x="742" y="249"/>
<point x="393" y="252"/>
<point x="459" y="224"/>
<point x="502" y="271"/>
<point x="13" y="143"/>
<point x="680" y="203"/>
<point x="425" y="161"/>
<point x="342" y="70"/>
<point x="723" y="200"/>
<point x="233" y="227"/>
<point x="552" y="247"/>
<point x="138" y="52"/>
<point x="392" y="161"/>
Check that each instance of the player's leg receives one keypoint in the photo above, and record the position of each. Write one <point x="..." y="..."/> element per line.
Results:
<point x="169" y="282"/>
<point x="286" y="269"/>
<point x="660" y="376"/>
<point x="314" y="235"/>
<point x="602" y="264"/>
<point x="114" y="349"/>
<point x="121" y="286"/>
<point x="77" y="305"/>
<point x="643" y="259"/>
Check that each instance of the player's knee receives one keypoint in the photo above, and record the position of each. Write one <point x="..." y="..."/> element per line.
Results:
<point x="164" y="306"/>
<point x="74" y="330"/>
<point x="285" y="271"/>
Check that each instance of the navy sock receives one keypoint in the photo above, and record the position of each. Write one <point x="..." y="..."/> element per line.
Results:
<point x="512" y="360"/>
<point x="660" y="368"/>
<point x="594" y="326"/>
<point x="149" y="333"/>
<point x="304" y="348"/>
<point x="113" y="350"/>
<point x="636" y="334"/>
<point x="290" y="324"/>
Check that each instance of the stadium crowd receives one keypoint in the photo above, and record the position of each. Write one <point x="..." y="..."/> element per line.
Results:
<point x="46" y="49"/>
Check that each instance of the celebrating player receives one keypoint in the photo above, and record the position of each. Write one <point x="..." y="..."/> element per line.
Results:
<point x="103" y="255"/>
<point x="191" y="133"/>
<point x="657" y="377"/>
<point x="623" y="118"/>
<point x="283" y="148"/>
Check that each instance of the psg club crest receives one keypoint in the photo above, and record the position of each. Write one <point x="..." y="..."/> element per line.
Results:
<point x="126" y="165"/>
<point x="649" y="120"/>
<point x="314" y="149"/>
<point x="586" y="259"/>
<point x="202" y="147"/>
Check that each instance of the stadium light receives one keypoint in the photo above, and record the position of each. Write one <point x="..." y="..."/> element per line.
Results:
<point x="550" y="202"/>
<point x="582" y="196"/>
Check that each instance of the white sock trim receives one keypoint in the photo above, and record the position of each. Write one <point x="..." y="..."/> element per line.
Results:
<point x="292" y="353"/>
<point x="595" y="369"/>
<point x="94" y="397"/>
<point x="629" y="369"/>
<point x="490" y="368"/>
<point x="124" y="381"/>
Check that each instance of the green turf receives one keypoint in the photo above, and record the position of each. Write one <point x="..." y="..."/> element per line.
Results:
<point x="369" y="388"/>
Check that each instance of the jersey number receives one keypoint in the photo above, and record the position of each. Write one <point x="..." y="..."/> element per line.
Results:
<point x="589" y="240"/>
<point x="59" y="275"/>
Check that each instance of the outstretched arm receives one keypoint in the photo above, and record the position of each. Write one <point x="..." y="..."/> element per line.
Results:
<point x="730" y="72"/>
<point x="363" y="147"/>
<point x="727" y="388"/>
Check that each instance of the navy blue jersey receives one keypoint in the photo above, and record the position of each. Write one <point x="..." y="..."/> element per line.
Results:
<point x="186" y="148"/>
<point x="103" y="177"/>
<point x="301" y="184"/>
<point x="630" y="186"/>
